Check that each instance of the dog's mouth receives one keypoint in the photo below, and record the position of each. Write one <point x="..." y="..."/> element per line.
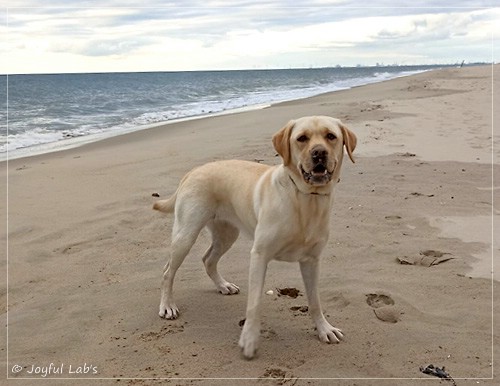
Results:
<point x="319" y="175"/>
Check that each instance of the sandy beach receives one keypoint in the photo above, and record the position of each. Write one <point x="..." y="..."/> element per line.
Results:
<point x="407" y="273"/>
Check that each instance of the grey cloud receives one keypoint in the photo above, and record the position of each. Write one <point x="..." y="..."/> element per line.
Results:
<point x="263" y="14"/>
<point x="210" y="21"/>
<point x="106" y="47"/>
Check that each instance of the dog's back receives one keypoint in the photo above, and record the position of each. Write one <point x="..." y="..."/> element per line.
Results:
<point x="224" y="186"/>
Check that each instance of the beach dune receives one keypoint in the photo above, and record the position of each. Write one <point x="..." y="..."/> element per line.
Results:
<point x="406" y="273"/>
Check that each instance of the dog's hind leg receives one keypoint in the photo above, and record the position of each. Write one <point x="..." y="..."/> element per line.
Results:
<point x="184" y="235"/>
<point x="223" y="237"/>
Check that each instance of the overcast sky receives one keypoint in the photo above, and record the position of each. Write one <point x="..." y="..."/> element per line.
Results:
<point x="110" y="35"/>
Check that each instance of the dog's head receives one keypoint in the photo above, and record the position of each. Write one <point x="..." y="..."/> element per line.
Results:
<point x="313" y="147"/>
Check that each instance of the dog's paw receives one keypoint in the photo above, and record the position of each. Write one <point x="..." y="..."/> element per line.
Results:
<point x="329" y="334"/>
<point x="169" y="312"/>
<point x="249" y="341"/>
<point x="227" y="288"/>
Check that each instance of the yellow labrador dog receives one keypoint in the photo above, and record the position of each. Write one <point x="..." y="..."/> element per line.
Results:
<point x="284" y="208"/>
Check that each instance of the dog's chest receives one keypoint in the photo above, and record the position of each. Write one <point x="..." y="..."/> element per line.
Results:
<point x="304" y="233"/>
<point x="296" y="252"/>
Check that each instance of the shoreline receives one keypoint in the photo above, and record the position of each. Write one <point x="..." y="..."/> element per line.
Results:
<point x="77" y="141"/>
<point x="411" y="226"/>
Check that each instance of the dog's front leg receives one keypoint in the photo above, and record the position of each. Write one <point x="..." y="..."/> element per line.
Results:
<point x="249" y="339"/>
<point x="310" y="272"/>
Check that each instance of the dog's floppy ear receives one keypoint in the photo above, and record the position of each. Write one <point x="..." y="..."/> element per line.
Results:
<point x="281" y="142"/>
<point x="350" y="140"/>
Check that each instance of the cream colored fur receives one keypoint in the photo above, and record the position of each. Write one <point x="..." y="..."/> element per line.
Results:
<point x="285" y="209"/>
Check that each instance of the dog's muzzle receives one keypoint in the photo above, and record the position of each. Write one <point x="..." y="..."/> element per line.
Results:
<point x="318" y="173"/>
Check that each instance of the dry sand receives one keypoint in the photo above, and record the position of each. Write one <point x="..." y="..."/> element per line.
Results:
<point x="86" y="252"/>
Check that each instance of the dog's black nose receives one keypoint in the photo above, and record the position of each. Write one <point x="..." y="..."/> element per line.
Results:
<point x="319" y="154"/>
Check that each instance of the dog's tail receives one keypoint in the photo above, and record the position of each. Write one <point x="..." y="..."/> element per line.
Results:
<point x="166" y="206"/>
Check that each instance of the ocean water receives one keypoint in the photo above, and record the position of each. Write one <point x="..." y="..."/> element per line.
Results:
<point x="46" y="112"/>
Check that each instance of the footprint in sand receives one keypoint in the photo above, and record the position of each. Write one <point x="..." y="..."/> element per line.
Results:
<point x="383" y="307"/>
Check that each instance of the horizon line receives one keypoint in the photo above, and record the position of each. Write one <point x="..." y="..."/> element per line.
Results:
<point x="337" y="66"/>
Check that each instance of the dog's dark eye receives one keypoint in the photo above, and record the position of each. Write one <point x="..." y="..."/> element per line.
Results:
<point x="302" y="138"/>
<point x="331" y="136"/>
